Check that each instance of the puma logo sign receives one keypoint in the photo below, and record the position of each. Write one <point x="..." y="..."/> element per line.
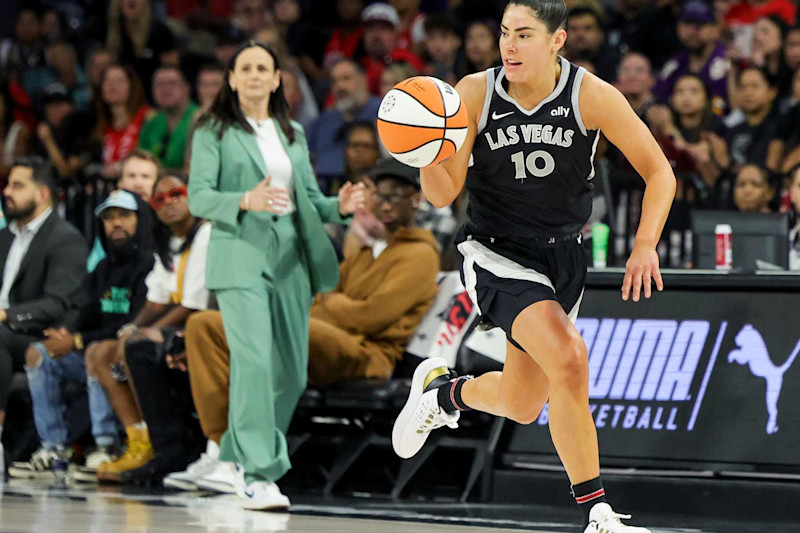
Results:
<point x="752" y="351"/>
<point x="560" y="111"/>
<point x="495" y="116"/>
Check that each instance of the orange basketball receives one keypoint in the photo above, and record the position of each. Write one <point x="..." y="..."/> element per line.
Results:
<point x="422" y="121"/>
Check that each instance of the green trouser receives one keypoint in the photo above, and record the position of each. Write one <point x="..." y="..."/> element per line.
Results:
<point x="267" y="331"/>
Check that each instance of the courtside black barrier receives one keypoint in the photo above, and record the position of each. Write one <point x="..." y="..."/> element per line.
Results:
<point x="703" y="376"/>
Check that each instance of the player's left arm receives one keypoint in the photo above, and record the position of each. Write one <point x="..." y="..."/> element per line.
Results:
<point x="603" y="107"/>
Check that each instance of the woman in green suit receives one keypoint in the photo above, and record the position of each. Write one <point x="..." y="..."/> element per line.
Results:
<point x="251" y="176"/>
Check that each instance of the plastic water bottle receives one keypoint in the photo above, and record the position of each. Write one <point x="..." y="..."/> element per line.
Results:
<point x="600" y="233"/>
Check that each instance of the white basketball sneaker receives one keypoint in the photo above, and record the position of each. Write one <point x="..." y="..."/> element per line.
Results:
<point x="187" y="480"/>
<point x="422" y="414"/>
<point x="223" y="478"/>
<point x="260" y="495"/>
<point x="603" y="519"/>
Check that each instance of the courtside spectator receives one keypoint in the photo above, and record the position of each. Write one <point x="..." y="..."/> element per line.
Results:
<point x="116" y="292"/>
<point x="175" y="289"/>
<point x="43" y="267"/>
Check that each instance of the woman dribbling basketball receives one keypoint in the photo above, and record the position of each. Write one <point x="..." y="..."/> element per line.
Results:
<point x="533" y="130"/>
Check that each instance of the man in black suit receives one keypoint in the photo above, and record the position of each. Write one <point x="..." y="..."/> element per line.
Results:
<point x="42" y="263"/>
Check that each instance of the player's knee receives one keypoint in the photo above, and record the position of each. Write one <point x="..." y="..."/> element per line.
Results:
<point x="572" y="369"/>
<point x="32" y="357"/>
<point x="522" y="413"/>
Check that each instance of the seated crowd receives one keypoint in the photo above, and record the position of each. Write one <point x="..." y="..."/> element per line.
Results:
<point x="117" y="329"/>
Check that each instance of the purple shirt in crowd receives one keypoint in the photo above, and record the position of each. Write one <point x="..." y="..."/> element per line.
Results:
<point x="714" y="73"/>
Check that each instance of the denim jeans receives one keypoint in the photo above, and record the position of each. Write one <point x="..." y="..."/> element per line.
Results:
<point x="50" y="407"/>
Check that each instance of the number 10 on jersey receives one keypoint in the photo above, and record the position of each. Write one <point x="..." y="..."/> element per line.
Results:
<point x="533" y="163"/>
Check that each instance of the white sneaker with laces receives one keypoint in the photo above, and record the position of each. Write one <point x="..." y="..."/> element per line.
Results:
<point x="260" y="495"/>
<point x="222" y="478"/>
<point x="421" y="414"/>
<point x="38" y="466"/>
<point x="88" y="472"/>
<point x="603" y="519"/>
<point x="187" y="479"/>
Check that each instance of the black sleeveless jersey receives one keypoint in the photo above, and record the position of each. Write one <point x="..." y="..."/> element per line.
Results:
<point x="531" y="171"/>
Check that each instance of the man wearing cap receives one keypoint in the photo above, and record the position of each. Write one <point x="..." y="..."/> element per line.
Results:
<point x="381" y="43"/>
<point x="116" y="291"/>
<point x="361" y="329"/>
<point x="703" y="54"/>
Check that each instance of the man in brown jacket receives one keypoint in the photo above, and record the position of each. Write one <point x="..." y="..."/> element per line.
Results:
<point x="361" y="329"/>
<point x="357" y="331"/>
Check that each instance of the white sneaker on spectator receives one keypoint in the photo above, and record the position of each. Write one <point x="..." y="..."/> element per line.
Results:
<point x="187" y="479"/>
<point x="88" y="472"/>
<point x="260" y="495"/>
<point x="603" y="519"/>
<point x="223" y="478"/>
<point x="38" y="466"/>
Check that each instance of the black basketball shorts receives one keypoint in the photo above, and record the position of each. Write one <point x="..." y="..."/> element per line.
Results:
<point x="503" y="277"/>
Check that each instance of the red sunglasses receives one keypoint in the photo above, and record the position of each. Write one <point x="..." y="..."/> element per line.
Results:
<point x="158" y="200"/>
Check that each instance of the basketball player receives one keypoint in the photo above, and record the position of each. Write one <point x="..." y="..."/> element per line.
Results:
<point x="528" y="166"/>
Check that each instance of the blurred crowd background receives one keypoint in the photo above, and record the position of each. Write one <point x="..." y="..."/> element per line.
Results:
<point x="85" y="82"/>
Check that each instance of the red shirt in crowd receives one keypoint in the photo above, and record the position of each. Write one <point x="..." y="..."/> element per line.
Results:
<point x="375" y="68"/>
<point x="747" y="13"/>
<point x="414" y="32"/>
<point x="117" y="144"/>
<point x="220" y="9"/>
<point x="343" y="44"/>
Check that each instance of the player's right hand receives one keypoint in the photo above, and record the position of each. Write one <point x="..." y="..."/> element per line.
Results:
<point x="268" y="199"/>
<point x="641" y="271"/>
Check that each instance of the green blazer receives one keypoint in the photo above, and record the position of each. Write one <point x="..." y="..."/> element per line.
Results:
<point x="221" y="172"/>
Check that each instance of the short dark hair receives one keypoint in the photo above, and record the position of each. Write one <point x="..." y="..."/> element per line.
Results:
<point x="764" y="171"/>
<point x="212" y="67"/>
<point x="174" y="173"/>
<point x="443" y="22"/>
<point x="176" y="68"/>
<point x="361" y="125"/>
<point x="767" y="75"/>
<point x="338" y="61"/>
<point x="43" y="172"/>
<point x="586" y="10"/>
<point x="552" y="13"/>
